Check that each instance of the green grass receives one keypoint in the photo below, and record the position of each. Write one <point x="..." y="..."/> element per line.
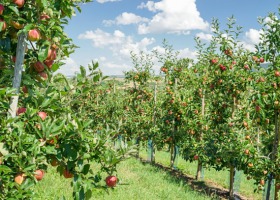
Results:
<point x="220" y="178"/>
<point x="137" y="181"/>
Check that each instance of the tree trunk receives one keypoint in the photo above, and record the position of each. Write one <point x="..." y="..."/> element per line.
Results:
<point x="199" y="164"/>
<point x="231" y="182"/>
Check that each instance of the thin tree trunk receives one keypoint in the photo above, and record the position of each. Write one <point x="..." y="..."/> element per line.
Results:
<point x="231" y="182"/>
<point x="274" y="156"/>
<point x="199" y="165"/>
<point x="232" y="168"/>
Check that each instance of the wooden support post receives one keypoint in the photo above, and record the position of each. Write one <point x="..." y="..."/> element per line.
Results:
<point x="20" y="52"/>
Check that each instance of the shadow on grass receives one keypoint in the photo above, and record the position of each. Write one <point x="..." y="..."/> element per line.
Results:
<point x="209" y="188"/>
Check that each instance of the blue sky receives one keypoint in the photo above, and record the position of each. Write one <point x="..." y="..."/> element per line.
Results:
<point x="107" y="30"/>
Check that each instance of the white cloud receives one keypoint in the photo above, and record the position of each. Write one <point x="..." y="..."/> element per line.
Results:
<point x="112" y="67"/>
<point x="102" y="39"/>
<point x="69" y="68"/>
<point x="251" y="38"/>
<point x="173" y="16"/>
<point x="204" y="36"/>
<point x="126" y="19"/>
<point x="187" y="53"/>
<point x="104" y="1"/>
<point x="150" y="5"/>
<point x="117" y="42"/>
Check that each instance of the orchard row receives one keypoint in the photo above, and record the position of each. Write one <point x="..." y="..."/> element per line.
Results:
<point x="47" y="121"/>
<point x="222" y="110"/>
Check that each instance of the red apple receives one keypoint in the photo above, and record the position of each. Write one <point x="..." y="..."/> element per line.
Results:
<point x="43" y="75"/>
<point x="4" y="25"/>
<point x="262" y="182"/>
<point x="111" y="181"/>
<point x="34" y="35"/>
<point x="222" y="67"/>
<point x="51" y="54"/>
<point x="246" y="67"/>
<point x="277" y="73"/>
<point x="19" y="178"/>
<point x="21" y="110"/>
<point x="19" y="3"/>
<point x="49" y="63"/>
<point x="261" y="59"/>
<point x="43" y="115"/>
<point x="24" y="89"/>
<point x="54" y="162"/>
<point x="247" y="152"/>
<point x="214" y="61"/>
<point x="17" y="25"/>
<point x="14" y="58"/>
<point x="44" y="17"/>
<point x="38" y="66"/>
<point x="195" y="157"/>
<point x="39" y="174"/>
<point x="258" y="108"/>
<point x="67" y="174"/>
<point x="2" y="8"/>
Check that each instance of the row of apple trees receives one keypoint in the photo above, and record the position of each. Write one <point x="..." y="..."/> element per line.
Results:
<point x="222" y="110"/>
<point x="47" y="120"/>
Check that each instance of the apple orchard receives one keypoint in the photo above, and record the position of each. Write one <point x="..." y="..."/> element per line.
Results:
<point x="221" y="111"/>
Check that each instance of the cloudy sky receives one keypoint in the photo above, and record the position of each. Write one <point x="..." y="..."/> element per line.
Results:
<point x="108" y="30"/>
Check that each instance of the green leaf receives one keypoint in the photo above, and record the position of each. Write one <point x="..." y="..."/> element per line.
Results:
<point x="3" y="151"/>
<point x="86" y="169"/>
<point x="5" y="169"/>
<point x="14" y="9"/>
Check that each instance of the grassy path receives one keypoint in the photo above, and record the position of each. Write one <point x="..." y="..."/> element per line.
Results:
<point x="137" y="182"/>
<point x="213" y="177"/>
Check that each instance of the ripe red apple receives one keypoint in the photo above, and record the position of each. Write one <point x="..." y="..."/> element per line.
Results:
<point x="44" y="17"/>
<point x="214" y="60"/>
<point x="19" y="3"/>
<point x="39" y="174"/>
<point x="222" y="67"/>
<point x="34" y="35"/>
<point x="38" y="66"/>
<point x="21" y="110"/>
<point x="250" y="165"/>
<point x="4" y="24"/>
<point x="24" y="89"/>
<point x="14" y="58"/>
<point x="19" y="178"/>
<point x="228" y="52"/>
<point x="2" y="8"/>
<point x="54" y="162"/>
<point x="49" y="63"/>
<point x="262" y="182"/>
<point x="67" y="174"/>
<point x="277" y="73"/>
<point x="17" y="25"/>
<point x="195" y="157"/>
<point x="43" y="75"/>
<point x="258" y="108"/>
<point x="43" y="115"/>
<point x="111" y="181"/>
<point x="51" y="54"/>
<point x="246" y="67"/>
<point x="261" y="60"/>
